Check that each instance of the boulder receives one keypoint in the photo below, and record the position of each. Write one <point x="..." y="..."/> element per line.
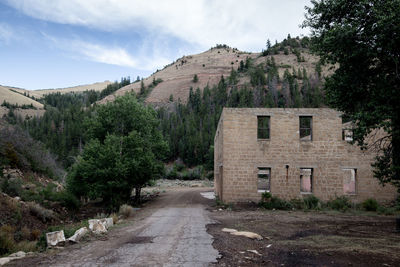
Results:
<point x="228" y="230"/>
<point x="19" y="254"/>
<point x="78" y="235"/>
<point x="247" y="234"/>
<point x="54" y="238"/>
<point x="97" y="226"/>
<point x="108" y="222"/>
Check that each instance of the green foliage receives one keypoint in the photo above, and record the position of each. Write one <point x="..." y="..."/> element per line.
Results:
<point x="275" y="203"/>
<point x="195" y="78"/>
<point x="358" y="37"/>
<point x="311" y="202"/>
<point x="123" y="153"/>
<point x="370" y="204"/>
<point x="341" y="203"/>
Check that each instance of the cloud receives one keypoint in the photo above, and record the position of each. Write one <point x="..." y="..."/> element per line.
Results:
<point x="242" y="24"/>
<point x="6" y="33"/>
<point x="92" y="51"/>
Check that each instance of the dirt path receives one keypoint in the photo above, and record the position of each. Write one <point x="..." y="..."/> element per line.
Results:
<point x="170" y="231"/>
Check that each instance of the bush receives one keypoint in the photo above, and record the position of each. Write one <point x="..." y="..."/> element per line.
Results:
<point x="171" y="174"/>
<point x="276" y="203"/>
<point x="7" y="243"/>
<point x="12" y="187"/>
<point x="297" y="204"/>
<point x="385" y="211"/>
<point x="39" y="212"/>
<point x="370" y="204"/>
<point x="311" y="202"/>
<point x="340" y="203"/>
<point x="125" y="211"/>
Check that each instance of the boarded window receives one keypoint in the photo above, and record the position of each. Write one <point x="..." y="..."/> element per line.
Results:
<point x="306" y="128"/>
<point x="263" y="127"/>
<point x="347" y="135"/>
<point x="263" y="179"/>
<point x="306" y="177"/>
<point x="349" y="181"/>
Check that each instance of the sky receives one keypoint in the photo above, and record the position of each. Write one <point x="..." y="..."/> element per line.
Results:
<point x="63" y="43"/>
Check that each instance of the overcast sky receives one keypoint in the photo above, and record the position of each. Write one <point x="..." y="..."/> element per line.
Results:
<point x="61" y="43"/>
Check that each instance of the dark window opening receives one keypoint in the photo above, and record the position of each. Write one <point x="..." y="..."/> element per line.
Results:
<point x="264" y="179"/>
<point x="306" y="180"/>
<point x="263" y="127"/>
<point x="306" y="128"/>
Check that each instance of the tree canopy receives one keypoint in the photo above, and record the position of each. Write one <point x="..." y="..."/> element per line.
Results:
<point x="363" y="38"/>
<point x="124" y="152"/>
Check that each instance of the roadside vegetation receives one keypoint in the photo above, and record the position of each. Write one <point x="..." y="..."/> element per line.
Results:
<point x="341" y="203"/>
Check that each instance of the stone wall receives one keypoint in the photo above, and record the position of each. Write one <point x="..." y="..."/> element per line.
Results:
<point x="239" y="154"/>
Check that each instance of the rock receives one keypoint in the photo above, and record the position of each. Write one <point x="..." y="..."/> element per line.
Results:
<point x="254" y="251"/>
<point x="228" y="230"/>
<point x="5" y="260"/>
<point x="247" y="234"/>
<point x="196" y="185"/>
<point x="78" y="234"/>
<point x="54" y="238"/>
<point x="97" y="226"/>
<point x="17" y="198"/>
<point x="19" y="254"/>
<point x="269" y="245"/>
<point x="108" y="222"/>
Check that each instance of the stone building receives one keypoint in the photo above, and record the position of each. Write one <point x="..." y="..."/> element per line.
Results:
<point x="291" y="153"/>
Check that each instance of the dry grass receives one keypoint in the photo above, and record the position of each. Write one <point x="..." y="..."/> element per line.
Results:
<point x="6" y="94"/>
<point x="41" y="213"/>
<point x="125" y="211"/>
<point x="209" y="66"/>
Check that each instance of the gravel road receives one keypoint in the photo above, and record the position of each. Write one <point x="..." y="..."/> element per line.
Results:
<point x="170" y="231"/>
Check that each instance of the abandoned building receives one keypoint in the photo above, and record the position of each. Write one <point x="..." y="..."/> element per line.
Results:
<point x="291" y="153"/>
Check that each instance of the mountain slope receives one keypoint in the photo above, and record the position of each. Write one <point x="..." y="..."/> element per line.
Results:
<point x="177" y="78"/>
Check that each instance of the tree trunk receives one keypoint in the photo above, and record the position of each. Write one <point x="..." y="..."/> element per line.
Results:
<point x="137" y="194"/>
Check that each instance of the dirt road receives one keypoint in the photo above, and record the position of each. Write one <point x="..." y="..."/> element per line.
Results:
<point x="170" y="231"/>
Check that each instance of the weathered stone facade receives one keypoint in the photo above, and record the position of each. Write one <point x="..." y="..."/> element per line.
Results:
<point x="239" y="155"/>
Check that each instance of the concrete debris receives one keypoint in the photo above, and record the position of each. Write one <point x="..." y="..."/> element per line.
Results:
<point x="54" y="238"/>
<point x="242" y="233"/>
<point x="97" y="226"/>
<point x="208" y="195"/>
<point x="228" y="230"/>
<point x="254" y="251"/>
<point x="14" y="256"/>
<point x="108" y="222"/>
<point x="78" y="235"/>
<point x="247" y="234"/>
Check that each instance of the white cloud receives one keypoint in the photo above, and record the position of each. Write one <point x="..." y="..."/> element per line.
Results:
<point x="242" y="24"/>
<point x="99" y="53"/>
<point x="6" y="33"/>
<point x="92" y="51"/>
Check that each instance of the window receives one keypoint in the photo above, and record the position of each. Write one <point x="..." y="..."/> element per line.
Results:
<point x="306" y="128"/>
<point x="306" y="180"/>
<point x="349" y="181"/>
<point x="263" y="179"/>
<point x="263" y="127"/>
<point x="347" y="135"/>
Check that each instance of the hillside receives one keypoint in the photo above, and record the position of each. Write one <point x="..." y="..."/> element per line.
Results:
<point x="177" y="78"/>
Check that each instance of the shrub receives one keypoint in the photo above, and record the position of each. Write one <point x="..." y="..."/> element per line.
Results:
<point x="385" y="210"/>
<point x="7" y="243"/>
<point x="276" y="203"/>
<point x="171" y="174"/>
<point x="340" y="203"/>
<point x="311" y="202"/>
<point x="370" y="204"/>
<point x="297" y="204"/>
<point x="125" y="211"/>
<point x="114" y="216"/>
<point x="12" y="187"/>
<point x="195" y="78"/>
<point x="42" y="213"/>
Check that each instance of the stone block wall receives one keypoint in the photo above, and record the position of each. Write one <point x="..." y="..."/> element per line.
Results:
<point x="238" y="155"/>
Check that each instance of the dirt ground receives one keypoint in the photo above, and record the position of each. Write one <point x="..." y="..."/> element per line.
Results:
<point x="294" y="238"/>
<point x="300" y="238"/>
